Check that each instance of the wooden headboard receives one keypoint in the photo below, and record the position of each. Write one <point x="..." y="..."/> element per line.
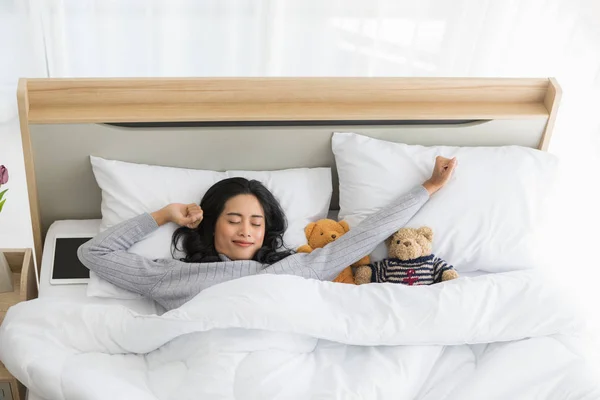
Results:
<point x="260" y="123"/>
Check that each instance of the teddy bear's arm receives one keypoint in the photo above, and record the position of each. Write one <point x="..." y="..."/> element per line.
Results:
<point x="304" y="249"/>
<point x="363" y="274"/>
<point x="449" y="274"/>
<point x="440" y="267"/>
<point x="363" y="261"/>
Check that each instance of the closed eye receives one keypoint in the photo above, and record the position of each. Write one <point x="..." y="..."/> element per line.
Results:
<point x="239" y="222"/>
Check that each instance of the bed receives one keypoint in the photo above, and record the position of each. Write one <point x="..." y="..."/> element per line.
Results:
<point x="499" y="331"/>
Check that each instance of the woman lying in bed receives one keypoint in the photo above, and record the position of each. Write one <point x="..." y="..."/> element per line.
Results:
<point x="237" y="231"/>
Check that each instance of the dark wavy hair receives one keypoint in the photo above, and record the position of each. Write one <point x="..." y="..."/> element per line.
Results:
<point x="198" y="244"/>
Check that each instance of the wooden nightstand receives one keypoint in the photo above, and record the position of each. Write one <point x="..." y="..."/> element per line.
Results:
<point x="25" y="288"/>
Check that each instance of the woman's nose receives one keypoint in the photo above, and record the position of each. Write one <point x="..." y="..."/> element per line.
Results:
<point x="245" y="230"/>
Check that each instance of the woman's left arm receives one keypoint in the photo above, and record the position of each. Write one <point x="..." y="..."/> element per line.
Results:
<point x="329" y="261"/>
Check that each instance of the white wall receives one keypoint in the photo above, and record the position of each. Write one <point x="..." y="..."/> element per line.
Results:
<point x="21" y="55"/>
<point x="15" y="220"/>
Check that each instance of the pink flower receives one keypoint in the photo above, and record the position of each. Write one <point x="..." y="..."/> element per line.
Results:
<point x="3" y="175"/>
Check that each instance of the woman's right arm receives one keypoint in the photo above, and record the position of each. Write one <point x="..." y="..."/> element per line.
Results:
<point x="106" y="254"/>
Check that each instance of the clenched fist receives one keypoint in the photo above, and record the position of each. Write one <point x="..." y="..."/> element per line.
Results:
<point x="188" y="215"/>
<point x="442" y="171"/>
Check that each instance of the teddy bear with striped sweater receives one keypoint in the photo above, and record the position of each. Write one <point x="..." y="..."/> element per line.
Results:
<point x="410" y="261"/>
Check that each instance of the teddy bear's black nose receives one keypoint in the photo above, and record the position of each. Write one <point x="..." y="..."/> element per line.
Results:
<point x="333" y="236"/>
<point x="407" y="243"/>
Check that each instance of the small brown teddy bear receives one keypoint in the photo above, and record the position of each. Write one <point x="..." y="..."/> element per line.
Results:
<point x="410" y="261"/>
<point x="325" y="231"/>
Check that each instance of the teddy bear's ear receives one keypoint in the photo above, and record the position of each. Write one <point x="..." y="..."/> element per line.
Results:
<point x="427" y="232"/>
<point x="345" y="226"/>
<point x="309" y="228"/>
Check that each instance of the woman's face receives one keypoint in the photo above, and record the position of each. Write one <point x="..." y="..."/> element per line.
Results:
<point x="240" y="229"/>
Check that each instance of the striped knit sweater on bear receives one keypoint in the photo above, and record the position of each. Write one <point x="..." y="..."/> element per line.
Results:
<point x="419" y="271"/>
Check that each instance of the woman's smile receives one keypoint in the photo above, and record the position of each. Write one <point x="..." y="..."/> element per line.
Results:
<point x="243" y="243"/>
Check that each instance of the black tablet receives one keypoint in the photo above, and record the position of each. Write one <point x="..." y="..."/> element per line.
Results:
<point x="66" y="267"/>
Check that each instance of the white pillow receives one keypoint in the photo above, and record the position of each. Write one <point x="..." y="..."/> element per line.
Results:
<point x="130" y="189"/>
<point x="489" y="215"/>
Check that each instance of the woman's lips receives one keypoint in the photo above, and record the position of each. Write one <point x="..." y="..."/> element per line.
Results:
<point x="242" y="243"/>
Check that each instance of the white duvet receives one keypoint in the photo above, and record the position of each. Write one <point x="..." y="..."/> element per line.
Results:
<point x="499" y="336"/>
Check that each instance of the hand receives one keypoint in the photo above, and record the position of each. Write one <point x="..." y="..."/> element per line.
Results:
<point x="188" y="215"/>
<point x="442" y="171"/>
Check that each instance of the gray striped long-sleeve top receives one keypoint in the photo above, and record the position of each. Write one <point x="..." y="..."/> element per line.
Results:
<point x="171" y="282"/>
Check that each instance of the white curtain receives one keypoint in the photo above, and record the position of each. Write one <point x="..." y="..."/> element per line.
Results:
<point x="322" y="38"/>
<point x="513" y="38"/>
